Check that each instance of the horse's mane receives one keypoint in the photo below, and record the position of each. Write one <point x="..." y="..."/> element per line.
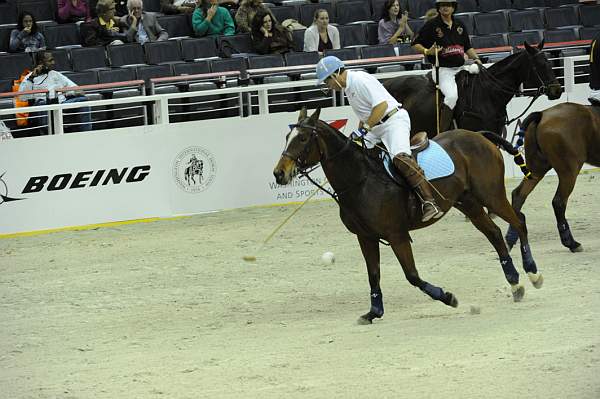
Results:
<point x="504" y="64"/>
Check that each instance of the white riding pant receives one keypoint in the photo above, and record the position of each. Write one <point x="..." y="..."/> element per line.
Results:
<point x="595" y="94"/>
<point x="448" y="85"/>
<point x="394" y="133"/>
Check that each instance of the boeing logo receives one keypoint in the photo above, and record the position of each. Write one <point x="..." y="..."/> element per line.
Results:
<point x="4" y="191"/>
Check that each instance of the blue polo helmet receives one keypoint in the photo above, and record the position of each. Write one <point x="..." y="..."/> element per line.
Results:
<point x="327" y="67"/>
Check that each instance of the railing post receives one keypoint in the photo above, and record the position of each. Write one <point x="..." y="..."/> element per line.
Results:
<point x="161" y="111"/>
<point x="569" y="74"/>
<point x="263" y="102"/>
<point x="57" y="121"/>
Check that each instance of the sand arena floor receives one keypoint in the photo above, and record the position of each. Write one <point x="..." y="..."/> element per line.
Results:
<point x="169" y="310"/>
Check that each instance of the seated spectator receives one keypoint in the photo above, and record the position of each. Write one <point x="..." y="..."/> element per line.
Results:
<point x="73" y="11"/>
<point x="392" y="29"/>
<point x="43" y="77"/>
<point x="269" y="37"/>
<point x="320" y="35"/>
<point x="26" y="37"/>
<point x="177" y="6"/>
<point x="209" y="19"/>
<point x="142" y="27"/>
<point x="106" y="29"/>
<point x="247" y="11"/>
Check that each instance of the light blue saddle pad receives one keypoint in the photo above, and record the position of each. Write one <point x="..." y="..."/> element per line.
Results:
<point x="435" y="162"/>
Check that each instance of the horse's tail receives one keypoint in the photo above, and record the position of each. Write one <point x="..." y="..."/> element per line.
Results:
<point x="534" y="117"/>
<point x="508" y="147"/>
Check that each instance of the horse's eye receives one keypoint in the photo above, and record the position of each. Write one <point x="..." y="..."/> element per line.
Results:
<point x="304" y="138"/>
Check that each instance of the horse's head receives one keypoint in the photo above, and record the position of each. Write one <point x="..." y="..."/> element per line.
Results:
<point x="542" y="75"/>
<point x="301" y="148"/>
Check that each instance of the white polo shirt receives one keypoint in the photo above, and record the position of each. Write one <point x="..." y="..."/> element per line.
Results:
<point x="364" y="92"/>
<point x="51" y="81"/>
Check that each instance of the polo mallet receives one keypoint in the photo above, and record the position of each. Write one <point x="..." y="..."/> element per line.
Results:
<point x="252" y="258"/>
<point x="437" y="89"/>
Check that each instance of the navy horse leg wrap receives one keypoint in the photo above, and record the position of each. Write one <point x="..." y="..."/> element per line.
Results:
<point x="511" y="236"/>
<point x="433" y="291"/>
<point x="565" y="235"/>
<point x="377" y="303"/>
<point x="528" y="262"/>
<point x="511" y="274"/>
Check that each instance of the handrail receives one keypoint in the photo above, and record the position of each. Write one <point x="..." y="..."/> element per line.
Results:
<point x="102" y="86"/>
<point x="195" y="77"/>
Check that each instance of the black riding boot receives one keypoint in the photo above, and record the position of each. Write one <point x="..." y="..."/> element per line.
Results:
<point x="414" y="175"/>
<point x="446" y="118"/>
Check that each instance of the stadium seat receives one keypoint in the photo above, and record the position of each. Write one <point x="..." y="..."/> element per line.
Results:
<point x="589" y="32"/>
<point x="241" y="43"/>
<point x="377" y="9"/>
<point x="468" y="6"/>
<point x="298" y="38"/>
<point x="266" y="61"/>
<point x="147" y="72"/>
<point x="229" y="64"/>
<point x="166" y="51"/>
<point x="467" y="21"/>
<point x="307" y="12"/>
<point x="282" y="13"/>
<point x="83" y="78"/>
<point x="405" y="49"/>
<point x="559" y="3"/>
<point x="177" y="25"/>
<point x="84" y="58"/>
<point x="352" y="35"/>
<point x="418" y="8"/>
<point x="521" y="20"/>
<point x="372" y="33"/>
<point x="5" y="37"/>
<point x="12" y="65"/>
<point x="116" y="75"/>
<point x="306" y="58"/>
<point x="489" y="41"/>
<point x="200" y="48"/>
<point x="8" y="13"/>
<point x="560" y="35"/>
<point x="63" y="35"/>
<point x="343" y="54"/>
<point x="383" y="50"/>
<point x="6" y="87"/>
<point x="416" y="24"/>
<point x="590" y="15"/>
<point x="125" y="55"/>
<point x="352" y="11"/>
<point x="489" y="23"/>
<point x="559" y="17"/>
<point x="494" y="5"/>
<point x="152" y="5"/>
<point x="524" y="4"/>
<point x="518" y="38"/>
<point x="43" y="10"/>
<point x="62" y="61"/>
<point x="191" y="68"/>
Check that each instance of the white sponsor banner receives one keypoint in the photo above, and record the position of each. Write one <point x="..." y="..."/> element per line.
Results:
<point x="162" y="170"/>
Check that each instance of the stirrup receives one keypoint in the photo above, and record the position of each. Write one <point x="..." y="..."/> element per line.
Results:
<point x="437" y="212"/>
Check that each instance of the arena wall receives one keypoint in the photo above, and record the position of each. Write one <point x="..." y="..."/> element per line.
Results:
<point x="65" y="180"/>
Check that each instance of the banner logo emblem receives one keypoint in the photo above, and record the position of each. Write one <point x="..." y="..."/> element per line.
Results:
<point x="194" y="169"/>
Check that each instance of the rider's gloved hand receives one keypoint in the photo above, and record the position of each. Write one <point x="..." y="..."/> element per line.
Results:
<point x="358" y="133"/>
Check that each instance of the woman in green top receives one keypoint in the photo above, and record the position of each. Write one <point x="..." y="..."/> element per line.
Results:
<point x="209" y="19"/>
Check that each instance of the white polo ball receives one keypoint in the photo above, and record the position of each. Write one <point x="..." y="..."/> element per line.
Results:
<point x="328" y="258"/>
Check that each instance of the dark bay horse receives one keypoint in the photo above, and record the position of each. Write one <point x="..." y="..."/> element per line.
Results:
<point x="563" y="137"/>
<point x="482" y="98"/>
<point x="374" y="207"/>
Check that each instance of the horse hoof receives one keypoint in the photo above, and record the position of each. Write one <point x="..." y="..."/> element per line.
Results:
<point x="451" y="300"/>
<point x="537" y="279"/>
<point x="577" y="248"/>
<point x="367" y="318"/>
<point x="518" y="292"/>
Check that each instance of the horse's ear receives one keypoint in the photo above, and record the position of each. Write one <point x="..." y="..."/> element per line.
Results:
<point x="302" y="114"/>
<point x="315" y="116"/>
<point x="541" y="45"/>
